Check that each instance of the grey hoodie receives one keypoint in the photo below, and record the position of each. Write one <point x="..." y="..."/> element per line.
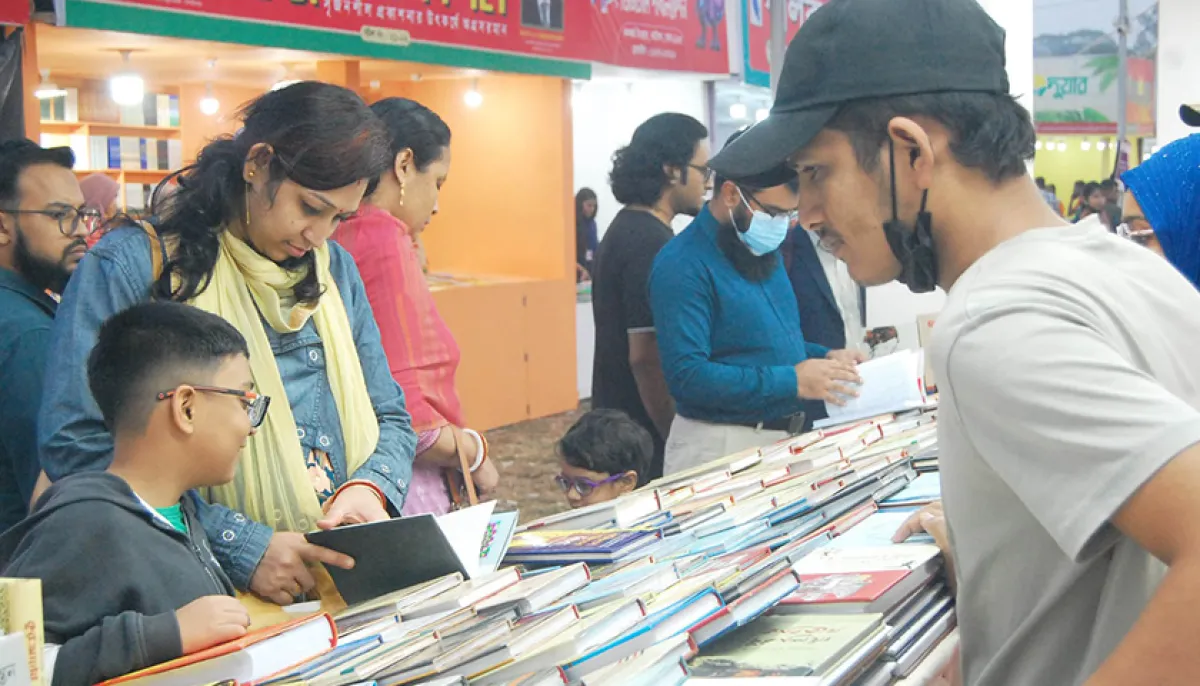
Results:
<point x="112" y="574"/>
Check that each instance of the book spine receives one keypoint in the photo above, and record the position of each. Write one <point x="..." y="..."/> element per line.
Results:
<point x="24" y="609"/>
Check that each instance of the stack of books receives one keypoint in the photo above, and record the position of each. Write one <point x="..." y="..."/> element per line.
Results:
<point x="777" y="562"/>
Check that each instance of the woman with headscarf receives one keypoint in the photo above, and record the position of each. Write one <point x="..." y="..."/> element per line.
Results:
<point x="586" y="234"/>
<point x="1162" y="205"/>
<point x="244" y="237"/>
<point x="100" y="193"/>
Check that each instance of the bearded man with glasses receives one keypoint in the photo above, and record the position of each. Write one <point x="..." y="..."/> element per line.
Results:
<point x="43" y="233"/>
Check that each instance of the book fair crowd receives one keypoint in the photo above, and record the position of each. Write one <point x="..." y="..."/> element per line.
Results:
<point x="196" y="404"/>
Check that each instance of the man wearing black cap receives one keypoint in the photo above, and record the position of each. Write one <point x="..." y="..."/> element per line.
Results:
<point x="1069" y="422"/>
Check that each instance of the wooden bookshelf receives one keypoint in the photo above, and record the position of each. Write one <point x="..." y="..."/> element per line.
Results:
<point x="74" y="128"/>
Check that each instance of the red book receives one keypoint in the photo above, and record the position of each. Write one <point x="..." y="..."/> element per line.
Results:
<point x="251" y="659"/>
<point x="853" y="592"/>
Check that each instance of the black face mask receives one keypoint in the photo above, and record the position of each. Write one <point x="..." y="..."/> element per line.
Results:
<point x="912" y="245"/>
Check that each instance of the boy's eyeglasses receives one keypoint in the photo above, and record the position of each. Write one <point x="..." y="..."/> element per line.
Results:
<point x="583" y="485"/>
<point x="256" y="405"/>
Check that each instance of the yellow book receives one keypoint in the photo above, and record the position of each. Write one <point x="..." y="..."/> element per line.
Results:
<point x="21" y="606"/>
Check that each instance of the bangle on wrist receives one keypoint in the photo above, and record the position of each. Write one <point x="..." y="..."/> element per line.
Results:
<point x="481" y="450"/>
<point x="357" y="482"/>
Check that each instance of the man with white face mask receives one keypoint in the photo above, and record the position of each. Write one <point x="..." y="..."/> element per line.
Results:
<point x="728" y="327"/>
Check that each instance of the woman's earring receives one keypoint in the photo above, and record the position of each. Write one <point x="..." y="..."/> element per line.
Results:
<point x="248" y="188"/>
<point x="402" y="195"/>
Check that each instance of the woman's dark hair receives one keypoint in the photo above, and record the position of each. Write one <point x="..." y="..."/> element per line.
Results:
<point x="323" y="137"/>
<point x="584" y="195"/>
<point x="413" y="126"/>
<point x="990" y="133"/>
<point x="608" y="441"/>
<point x="664" y="140"/>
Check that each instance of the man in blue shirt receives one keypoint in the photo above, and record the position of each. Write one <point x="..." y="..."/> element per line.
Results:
<point x="728" y="327"/>
<point x="42" y="238"/>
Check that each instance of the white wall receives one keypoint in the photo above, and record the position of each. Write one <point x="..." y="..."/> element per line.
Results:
<point x="605" y="113"/>
<point x="893" y="304"/>
<point x="1178" y="65"/>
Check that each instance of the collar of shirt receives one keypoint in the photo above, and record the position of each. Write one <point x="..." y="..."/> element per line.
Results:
<point x="13" y="283"/>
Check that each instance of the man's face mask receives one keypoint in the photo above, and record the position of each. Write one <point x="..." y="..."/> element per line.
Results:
<point x="911" y="244"/>
<point x="765" y="233"/>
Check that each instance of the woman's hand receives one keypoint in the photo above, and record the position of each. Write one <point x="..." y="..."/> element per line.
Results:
<point x="354" y="505"/>
<point x="486" y="478"/>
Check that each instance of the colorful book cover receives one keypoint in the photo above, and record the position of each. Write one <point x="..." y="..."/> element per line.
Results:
<point x="556" y="542"/>
<point x="496" y="539"/>
<point x="854" y="587"/>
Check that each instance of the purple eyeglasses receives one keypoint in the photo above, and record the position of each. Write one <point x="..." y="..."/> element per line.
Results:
<point x="583" y="485"/>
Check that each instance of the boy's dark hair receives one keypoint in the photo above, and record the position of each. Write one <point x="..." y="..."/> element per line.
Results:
<point x="19" y="154"/>
<point x="608" y="441"/>
<point x="664" y="140"/>
<point x="988" y="132"/>
<point x="1108" y="185"/>
<point x="151" y="348"/>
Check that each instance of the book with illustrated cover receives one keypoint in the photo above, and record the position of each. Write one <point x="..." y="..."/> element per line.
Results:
<point x="552" y="546"/>
<point x="797" y="646"/>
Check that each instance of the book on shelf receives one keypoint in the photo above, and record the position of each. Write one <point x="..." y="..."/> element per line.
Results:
<point x="556" y="546"/>
<point x="383" y="557"/>
<point x="255" y="657"/>
<point x="536" y="593"/>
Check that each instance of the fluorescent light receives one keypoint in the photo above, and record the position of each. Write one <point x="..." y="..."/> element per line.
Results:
<point x="127" y="87"/>
<point x="761" y="114"/>
<point x="473" y="98"/>
<point x="46" y="89"/>
<point x="737" y="110"/>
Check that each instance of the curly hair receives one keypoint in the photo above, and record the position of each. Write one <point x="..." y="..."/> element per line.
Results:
<point x="638" y="176"/>
<point x="323" y="137"/>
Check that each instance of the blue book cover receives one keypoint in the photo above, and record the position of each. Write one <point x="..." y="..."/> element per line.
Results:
<point x="925" y="488"/>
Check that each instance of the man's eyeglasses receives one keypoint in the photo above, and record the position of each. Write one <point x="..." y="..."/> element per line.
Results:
<point x="69" y="218"/>
<point x="708" y="173"/>
<point x="583" y="485"/>
<point x="256" y="405"/>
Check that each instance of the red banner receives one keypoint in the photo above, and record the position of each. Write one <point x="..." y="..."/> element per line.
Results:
<point x="758" y="33"/>
<point x="680" y="35"/>
<point x="14" y="11"/>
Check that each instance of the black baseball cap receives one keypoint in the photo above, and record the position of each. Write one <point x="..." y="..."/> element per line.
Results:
<point x="1190" y="114"/>
<point x="854" y="49"/>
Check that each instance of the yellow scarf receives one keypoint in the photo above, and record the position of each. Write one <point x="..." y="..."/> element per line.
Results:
<point x="272" y="485"/>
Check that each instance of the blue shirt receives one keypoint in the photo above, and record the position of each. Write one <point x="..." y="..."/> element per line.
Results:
<point x="729" y="345"/>
<point x="26" y="315"/>
<point x="116" y="274"/>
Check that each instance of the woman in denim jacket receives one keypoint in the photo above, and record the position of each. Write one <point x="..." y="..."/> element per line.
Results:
<point x="245" y="237"/>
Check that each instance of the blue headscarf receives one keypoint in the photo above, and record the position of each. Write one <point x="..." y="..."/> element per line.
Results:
<point x="1167" y="187"/>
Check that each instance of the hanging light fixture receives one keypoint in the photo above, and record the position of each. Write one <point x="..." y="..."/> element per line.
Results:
<point x="1101" y="145"/>
<point x="127" y="87"/>
<point x="1062" y="146"/>
<point x="737" y="111"/>
<point x="1037" y="145"/>
<point x="1085" y="145"/>
<point x="209" y="105"/>
<point x="46" y="89"/>
<point x="473" y="98"/>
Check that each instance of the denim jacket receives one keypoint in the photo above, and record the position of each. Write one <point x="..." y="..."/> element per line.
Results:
<point x="116" y="274"/>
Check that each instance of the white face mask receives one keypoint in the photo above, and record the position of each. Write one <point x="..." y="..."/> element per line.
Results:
<point x="765" y="233"/>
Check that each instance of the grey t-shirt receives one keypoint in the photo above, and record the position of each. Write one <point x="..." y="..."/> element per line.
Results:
<point x="1068" y="361"/>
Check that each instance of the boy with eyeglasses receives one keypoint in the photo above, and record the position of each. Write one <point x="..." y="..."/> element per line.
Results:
<point x="129" y="579"/>
<point x="43" y="231"/>
<point x="604" y="455"/>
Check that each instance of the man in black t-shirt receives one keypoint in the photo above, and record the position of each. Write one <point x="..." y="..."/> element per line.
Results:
<point x="663" y="172"/>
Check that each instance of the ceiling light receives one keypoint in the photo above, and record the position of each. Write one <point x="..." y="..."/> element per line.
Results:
<point x="1101" y="145"/>
<point x="1085" y="145"/>
<point x="473" y="98"/>
<point x="127" y="87"/>
<point x="46" y="90"/>
<point x="737" y="111"/>
<point x="209" y="104"/>
<point x="761" y="113"/>
<point x="1062" y="146"/>
<point x="1037" y="145"/>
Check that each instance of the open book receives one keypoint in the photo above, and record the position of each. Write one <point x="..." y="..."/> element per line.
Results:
<point x="406" y="551"/>
<point x="894" y="383"/>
